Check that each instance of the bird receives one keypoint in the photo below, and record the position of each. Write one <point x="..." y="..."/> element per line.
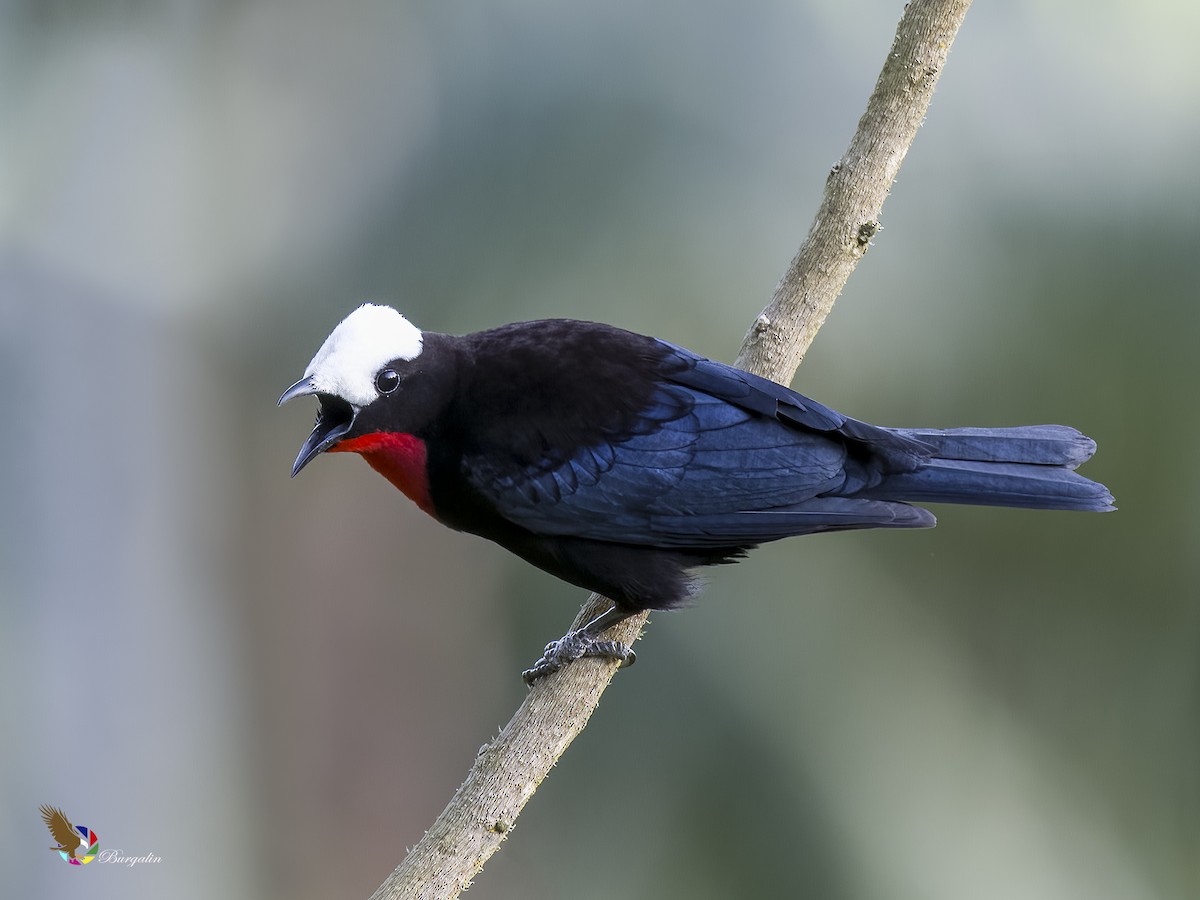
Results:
<point x="61" y="830"/>
<point x="621" y="463"/>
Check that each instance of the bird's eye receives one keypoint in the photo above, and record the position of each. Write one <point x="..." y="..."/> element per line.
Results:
<point x="387" y="381"/>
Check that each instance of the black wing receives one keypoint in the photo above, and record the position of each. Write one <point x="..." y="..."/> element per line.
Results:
<point x="716" y="458"/>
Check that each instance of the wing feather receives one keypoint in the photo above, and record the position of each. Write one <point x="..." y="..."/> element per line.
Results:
<point x="717" y="476"/>
<point x="717" y="458"/>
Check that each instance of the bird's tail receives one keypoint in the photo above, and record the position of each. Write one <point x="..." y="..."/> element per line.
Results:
<point x="1031" y="466"/>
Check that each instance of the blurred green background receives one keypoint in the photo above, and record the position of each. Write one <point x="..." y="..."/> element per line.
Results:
<point x="275" y="685"/>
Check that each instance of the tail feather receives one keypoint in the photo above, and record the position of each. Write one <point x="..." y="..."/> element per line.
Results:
<point x="1030" y="467"/>
<point x="1046" y="445"/>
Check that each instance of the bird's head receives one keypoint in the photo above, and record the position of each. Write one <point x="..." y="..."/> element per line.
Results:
<point x="361" y="376"/>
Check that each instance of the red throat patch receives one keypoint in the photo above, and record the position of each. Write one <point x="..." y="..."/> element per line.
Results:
<point x="400" y="458"/>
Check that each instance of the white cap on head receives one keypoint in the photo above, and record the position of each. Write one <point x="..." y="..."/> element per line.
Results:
<point x="353" y="354"/>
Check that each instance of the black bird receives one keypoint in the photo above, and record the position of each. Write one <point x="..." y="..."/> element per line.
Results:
<point x="619" y="462"/>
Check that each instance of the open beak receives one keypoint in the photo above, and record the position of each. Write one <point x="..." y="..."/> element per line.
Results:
<point x="334" y="419"/>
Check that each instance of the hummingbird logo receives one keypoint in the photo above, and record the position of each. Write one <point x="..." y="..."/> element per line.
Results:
<point x="77" y="844"/>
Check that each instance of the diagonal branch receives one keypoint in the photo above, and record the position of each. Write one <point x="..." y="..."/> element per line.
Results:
<point x="508" y="771"/>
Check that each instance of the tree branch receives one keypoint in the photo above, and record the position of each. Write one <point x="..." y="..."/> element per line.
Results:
<point x="508" y="771"/>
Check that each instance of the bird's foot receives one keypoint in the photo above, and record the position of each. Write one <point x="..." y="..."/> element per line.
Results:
<point x="575" y="645"/>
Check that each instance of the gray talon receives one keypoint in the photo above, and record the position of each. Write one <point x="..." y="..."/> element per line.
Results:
<point x="575" y="645"/>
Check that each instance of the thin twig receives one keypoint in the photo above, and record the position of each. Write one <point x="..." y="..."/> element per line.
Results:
<point x="508" y="771"/>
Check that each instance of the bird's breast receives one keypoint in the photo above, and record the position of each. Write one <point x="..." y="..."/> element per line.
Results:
<point x="400" y="458"/>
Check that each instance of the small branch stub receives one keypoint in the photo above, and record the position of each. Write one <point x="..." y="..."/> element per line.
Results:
<point x="866" y="231"/>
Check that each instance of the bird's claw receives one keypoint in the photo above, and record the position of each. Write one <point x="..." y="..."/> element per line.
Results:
<point x="575" y="645"/>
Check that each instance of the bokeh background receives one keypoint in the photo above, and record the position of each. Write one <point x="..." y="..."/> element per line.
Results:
<point x="275" y="685"/>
